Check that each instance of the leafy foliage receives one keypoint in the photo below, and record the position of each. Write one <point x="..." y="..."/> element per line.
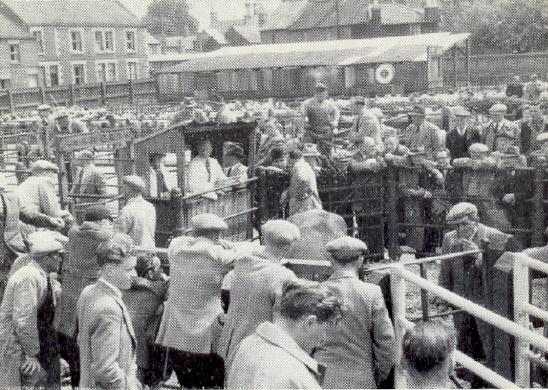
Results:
<point x="170" y="18"/>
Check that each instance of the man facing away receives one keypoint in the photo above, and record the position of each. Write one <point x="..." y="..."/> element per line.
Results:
<point x="257" y="283"/>
<point x="105" y="333"/>
<point x="359" y="352"/>
<point x="277" y="354"/>
<point x="138" y="217"/>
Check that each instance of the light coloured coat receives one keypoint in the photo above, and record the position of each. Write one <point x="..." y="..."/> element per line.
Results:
<point x="498" y="137"/>
<point x="197" y="268"/>
<point x="362" y="345"/>
<point x="257" y="283"/>
<point x="138" y="220"/>
<point x="271" y="359"/>
<point x="25" y="292"/>
<point x="199" y="180"/>
<point x="89" y="181"/>
<point x="303" y="189"/>
<point x="106" y="339"/>
<point x="427" y="135"/>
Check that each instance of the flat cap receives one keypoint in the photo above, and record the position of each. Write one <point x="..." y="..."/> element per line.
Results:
<point x="320" y="87"/>
<point x="346" y="248"/>
<point x="134" y="182"/>
<point x="61" y="114"/>
<point x="478" y="148"/>
<point x="280" y="231"/>
<point x="460" y="111"/>
<point x="542" y="137"/>
<point x="97" y="213"/>
<point x="359" y="100"/>
<point x="86" y="155"/>
<point x="115" y="250"/>
<point x="418" y="111"/>
<point x="208" y="222"/>
<point x="43" y="242"/>
<point x="442" y="154"/>
<point x="460" y="212"/>
<point x="498" y="108"/>
<point x="43" y="165"/>
<point x="43" y="107"/>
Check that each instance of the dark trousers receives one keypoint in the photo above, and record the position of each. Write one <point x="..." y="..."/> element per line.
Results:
<point x="195" y="370"/>
<point x="68" y="348"/>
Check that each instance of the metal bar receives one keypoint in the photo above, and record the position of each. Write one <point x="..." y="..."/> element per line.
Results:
<point x="537" y="359"/>
<point x="220" y="188"/>
<point x="532" y="263"/>
<point x="535" y="311"/>
<point x="424" y="294"/>
<point x="397" y="288"/>
<point x="484" y="372"/>
<point x="438" y="315"/>
<point x="474" y="309"/>
<point x="90" y="196"/>
<point x="521" y="317"/>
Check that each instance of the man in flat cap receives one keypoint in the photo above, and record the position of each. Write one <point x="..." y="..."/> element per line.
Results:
<point x="500" y="133"/>
<point x="38" y="196"/>
<point x="105" y="333"/>
<point x="80" y="269"/>
<point x="197" y="267"/>
<point x="471" y="276"/>
<point x="462" y="135"/>
<point x="45" y="128"/>
<point x="366" y="124"/>
<point x="323" y="118"/>
<point x="360" y="350"/>
<point x="257" y="283"/>
<point x="28" y="347"/>
<point x="422" y="133"/>
<point x="138" y="217"/>
<point x="89" y="180"/>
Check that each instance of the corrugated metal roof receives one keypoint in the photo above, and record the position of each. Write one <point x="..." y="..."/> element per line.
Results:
<point x="342" y="52"/>
<point x="175" y="57"/>
<point x="285" y="15"/>
<point x="91" y="13"/>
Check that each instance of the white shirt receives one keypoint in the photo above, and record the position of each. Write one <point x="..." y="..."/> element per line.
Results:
<point x="138" y="220"/>
<point x="153" y="181"/>
<point x="199" y="180"/>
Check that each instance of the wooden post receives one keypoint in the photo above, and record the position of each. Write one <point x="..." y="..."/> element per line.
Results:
<point x="102" y="93"/>
<point x="11" y="101"/>
<point x="537" y="213"/>
<point x="392" y="214"/>
<point x="521" y="317"/>
<point x="467" y="62"/>
<point x="397" y="287"/>
<point x="130" y="90"/>
<point x="61" y="176"/>
<point x="455" y="77"/>
<point x="42" y="95"/>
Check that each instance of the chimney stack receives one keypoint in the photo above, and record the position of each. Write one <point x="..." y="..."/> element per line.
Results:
<point x="213" y="17"/>
<point x="375" y="12"/>
<point x="432" y="12"/>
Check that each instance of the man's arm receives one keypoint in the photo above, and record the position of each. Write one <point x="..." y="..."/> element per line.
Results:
<point x="49" y="202"/>
<point x="124" y="222"/>
<point x="25" y="315"/>
<point x="383" y="338"/>
<point x="105" y="346"/>
<point x="100" y="183"/>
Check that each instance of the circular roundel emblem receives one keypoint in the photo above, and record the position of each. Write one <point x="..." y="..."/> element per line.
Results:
<point x="385" y="73"/>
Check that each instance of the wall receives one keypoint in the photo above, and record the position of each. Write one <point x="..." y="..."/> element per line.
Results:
<point x="20" y="73"/>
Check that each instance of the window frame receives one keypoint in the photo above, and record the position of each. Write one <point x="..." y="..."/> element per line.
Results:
<point x="103" y="34"/>
<point x="82" y="41"/>
<point x="17" y="44"/>
<point x="84" y="73"/>
<point x="128" y="73"/>
<point x="47" y="73"/>
<point x="41" y="46"/>
<point x="105" y="65"/>
<point x="126" y="41"/>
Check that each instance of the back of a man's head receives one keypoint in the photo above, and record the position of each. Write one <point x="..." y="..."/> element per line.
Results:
<point x="427" y="353"/>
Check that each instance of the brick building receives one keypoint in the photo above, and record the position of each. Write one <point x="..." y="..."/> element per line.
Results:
<point x="82" y="41"/>
<point x="319" y="20"/>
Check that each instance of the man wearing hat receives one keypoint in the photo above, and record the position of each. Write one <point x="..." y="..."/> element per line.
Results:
<point x="79" y="270"/>
<point x="45" y="128"/>
<point x="233" y="157"/>
<point x="462" y="135"/>
<point x="533" y="124"/>
<point x="360" y="350"/>
<point x="106" y="338"/>
<point x="37" y="197"/>
<point x="271" y="137"/>
<point x="198" y="265"/>
<point x="158" y="183"/>
<point x="258" y="279"/>
<point x="421" y="133"/>
<point x="204" y="172"/>
<point x="302" y="193"/>
<point x="533" y="89"/>
<point x="28" y="346"/>
<point x="366" y="124"/>
<point x="89" y="180"/>
<point x="471" y="276"/>
<point x="500" y="133"/>
<point x="323" y="118"/>
<point x="138" y="217"/>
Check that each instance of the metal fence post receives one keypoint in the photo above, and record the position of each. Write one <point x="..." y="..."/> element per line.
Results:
<point x="397" y="288"/>
<point x="392" y="214"/>
<point x="521" y="317"/>
<point x="102" y="93"/>
<point x="130" y="90"/>
<point x="11" y="101"/>
<point x="537" y="223"/>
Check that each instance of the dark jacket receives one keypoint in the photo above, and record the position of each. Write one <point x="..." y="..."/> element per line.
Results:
<point x="514" y="89"/>
<point x="458" y="145"/>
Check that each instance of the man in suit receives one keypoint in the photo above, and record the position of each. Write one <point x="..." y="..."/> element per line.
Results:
<point x="79" y="270"/>
<point x="515" y="87"/>
<point x="359" y="352"/>
<point x="366" y="124"/>
<point x="258" y="279"/>
<point x="421" y="133"/>
<point x="277" y="354"/>
<point x="158" y="183"/>
<point x="138" y="217"/>
<point x="28" y="348"/>
<point x="462" y="135"/>
<point x="500" y="133"/>
<point x="89" y="181"/>
<point x="471" y="277"/>
<point x="105" y="333"/>
<point x="198" y="265"/>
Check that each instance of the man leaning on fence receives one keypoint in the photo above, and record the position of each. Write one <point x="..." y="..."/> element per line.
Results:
<point x="471" y="277"/>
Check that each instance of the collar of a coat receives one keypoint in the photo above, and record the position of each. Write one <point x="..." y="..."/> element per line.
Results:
<point x="344" y="274"/>
<point x="274" y="335"/>
<point x="110" y="288"/>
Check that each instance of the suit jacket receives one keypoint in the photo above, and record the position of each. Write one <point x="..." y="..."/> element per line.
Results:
<point x="361" y="348"/>
<point x="79" y="270"/>
<point x="271" y="359"/>
<point x="197" y="268"/>
<point x="12" y="243"/>
<point x="458" y="145"/>
<point x="106" y="339"/>
<point x="138" y="220"/>
<point x="500" y="138"/>
<point x="427" y="136"/>
<point x="89" y="181"/>
<point x="256" y="284"/>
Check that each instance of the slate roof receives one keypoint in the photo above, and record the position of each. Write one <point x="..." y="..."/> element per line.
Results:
<point x="250" y="32"/>
<point x="285" y="15"/>
<point x="82" y="13"/>
<point x="342" y="52"/>
<point x="224" y="25"/>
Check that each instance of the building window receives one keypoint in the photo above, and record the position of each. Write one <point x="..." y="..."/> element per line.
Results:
<point x="130" y="41"/>
<point x="15" y="53"/>
<point x="132" y="70"/>
<point x="76" y="38"/>
<point x="106" y="71"/>
<point x="79" y="74"/>
<point x="104" y="41"/>
<point x="111" y="71"/>
<point x="4" y="84"/>
<point x="52" y="75"/>
<point x="37" y="34"/>
<point x="99" y="41"/>
<point x="109" y="41"/>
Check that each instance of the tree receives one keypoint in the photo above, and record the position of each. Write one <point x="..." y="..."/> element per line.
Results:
<point x="170" y="17"/>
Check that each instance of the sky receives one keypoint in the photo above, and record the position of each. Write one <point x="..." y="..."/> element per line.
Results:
<point x="226" y="9"/>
